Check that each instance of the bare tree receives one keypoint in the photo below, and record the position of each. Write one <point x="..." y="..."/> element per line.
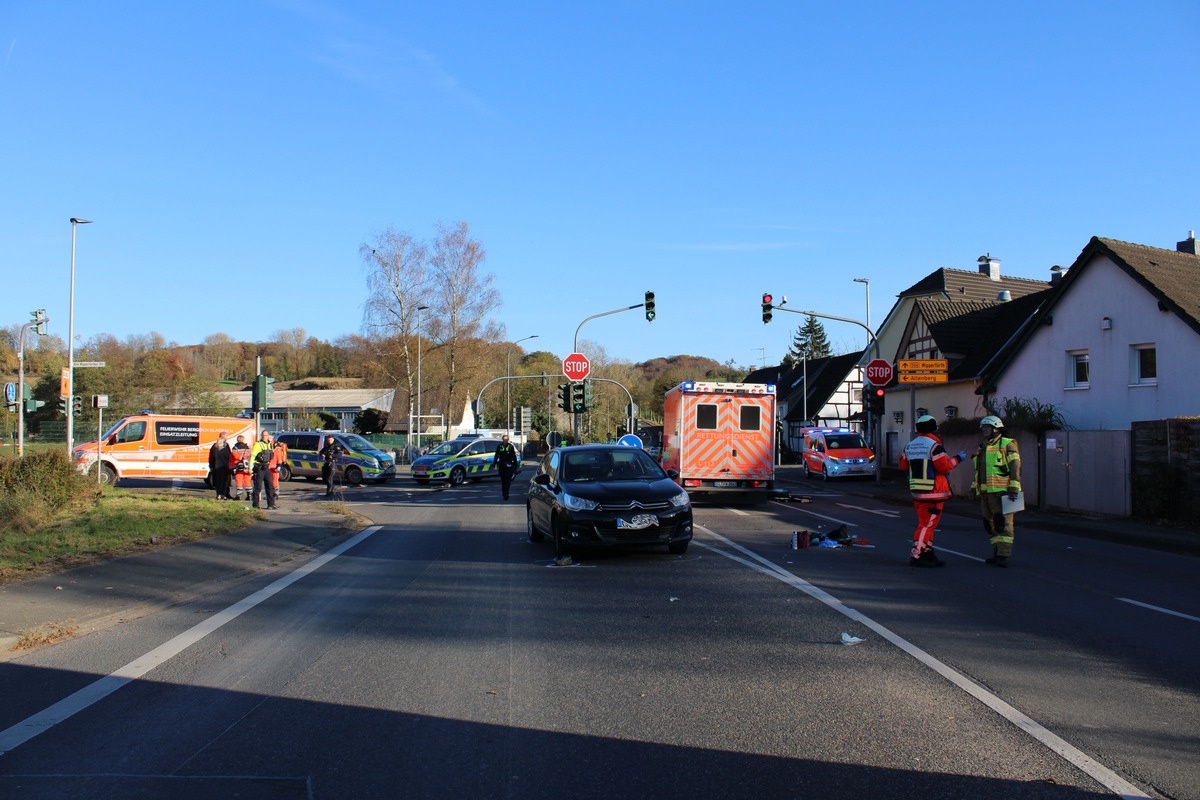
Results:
<point x="223" y="354"/>
<point x="398" y="283"/>
<point x="463" y="299"/>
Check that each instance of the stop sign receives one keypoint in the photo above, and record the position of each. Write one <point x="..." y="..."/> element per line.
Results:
<point x="576" y="367"/>
<point x="879" y="372"/>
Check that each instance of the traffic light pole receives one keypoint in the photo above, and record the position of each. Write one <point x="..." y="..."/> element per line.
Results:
<point x="871" y="429"/>
<point x="649" y="296"/>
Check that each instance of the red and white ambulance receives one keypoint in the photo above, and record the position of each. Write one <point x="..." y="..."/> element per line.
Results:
<point x="720" y="438"/>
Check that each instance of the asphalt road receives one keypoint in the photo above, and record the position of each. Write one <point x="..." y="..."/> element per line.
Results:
<point x="440" y="654"/>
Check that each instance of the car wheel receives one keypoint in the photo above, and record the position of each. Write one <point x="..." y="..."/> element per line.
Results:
<point x="108" y="475"/>
<point x="353" y="476"/>
<point x="807" y="472"/>
<point x="825" y="472"/>
<point x="534" y="534"/>
<point x="285" y="472"/>
<point x="677" y="548"/>
<point x="457" y="476"/>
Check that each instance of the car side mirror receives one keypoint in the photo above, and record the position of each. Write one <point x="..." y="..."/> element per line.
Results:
<point x="673" y="474"/>
<point x="542" y="479"/>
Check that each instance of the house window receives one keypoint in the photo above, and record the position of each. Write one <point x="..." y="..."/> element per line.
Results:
<point x="1078" y="374"/>
<point x="1143" y="363"/>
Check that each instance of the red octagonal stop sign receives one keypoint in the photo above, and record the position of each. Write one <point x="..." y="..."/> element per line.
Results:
<point x="879" y="372"/>
<point x="576" y="367"/>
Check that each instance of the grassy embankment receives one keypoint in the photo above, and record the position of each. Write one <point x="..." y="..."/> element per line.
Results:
<point x="52" y="518"/>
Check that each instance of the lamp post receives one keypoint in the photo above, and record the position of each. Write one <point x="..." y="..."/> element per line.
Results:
<point x="75" y="223"/>
<point x="508" y="382"/>
<point x="867" y="283"/>
<point x="419" y="420"/>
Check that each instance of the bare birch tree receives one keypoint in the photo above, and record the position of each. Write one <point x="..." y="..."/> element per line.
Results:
<point x="398" y="283"/>
<point x="463" y="299"/>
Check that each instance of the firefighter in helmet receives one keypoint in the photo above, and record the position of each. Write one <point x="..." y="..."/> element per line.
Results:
<point x="997" y="475"/>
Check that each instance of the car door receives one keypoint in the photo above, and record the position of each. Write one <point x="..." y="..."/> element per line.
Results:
<point x="542" y="496"/>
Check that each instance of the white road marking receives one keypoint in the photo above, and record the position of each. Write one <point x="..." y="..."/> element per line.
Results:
<point x="25" y="730"/>
<point x="1055" y="743"/>
<point x="880" y="511"/>
<point x="1159" y="608"/>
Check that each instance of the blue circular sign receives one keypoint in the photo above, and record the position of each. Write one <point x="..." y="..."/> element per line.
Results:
<point x="10" y="392"/>
<point x="630" y="440"/>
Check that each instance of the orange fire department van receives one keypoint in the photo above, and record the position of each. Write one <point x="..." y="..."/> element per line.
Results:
<point x="720" y="438"/>
<point x="159" y="446"/>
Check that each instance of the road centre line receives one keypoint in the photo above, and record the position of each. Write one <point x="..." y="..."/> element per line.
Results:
<point x="1073" y="755"/>
<point x="25" y="730"/>
<point x="1158" y="608"/>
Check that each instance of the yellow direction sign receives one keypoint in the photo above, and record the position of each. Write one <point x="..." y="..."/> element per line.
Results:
<point x="923" y="365"/>
<point x="921" y="377"/>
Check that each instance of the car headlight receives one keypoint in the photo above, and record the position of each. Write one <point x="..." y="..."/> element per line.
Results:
<point x="575" y="503"/>
<point x="680" y="500"/>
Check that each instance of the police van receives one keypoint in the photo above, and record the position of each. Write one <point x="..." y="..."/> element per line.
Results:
<point x="360" y="460"/>
<point x="457" y="461"/>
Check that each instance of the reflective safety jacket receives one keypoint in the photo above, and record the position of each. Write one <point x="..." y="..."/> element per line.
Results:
<point x="927" y="464"/>
<point x="998" y="466"/>
<point x="239" y="458"/>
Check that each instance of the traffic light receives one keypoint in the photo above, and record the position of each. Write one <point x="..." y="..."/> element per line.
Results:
<point x="564" y="396"/>
<point x="578" y="400"/>
<point x="650" y="307"/>
<point x="768" y="301"/>
<point x="587" y="394"/>
<point x="39" y="316"/>
<point x="32" y="405"/>
<point x="875" y="401"/>
<point x="77" y="405"/>
<point x="260" y="392"/>
<point x="63" y="406"/>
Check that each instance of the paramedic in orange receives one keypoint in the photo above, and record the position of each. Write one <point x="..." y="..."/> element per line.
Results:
<point x="239" y="462"/>
<point x="927" y="464"/>
<point x="278" y="459"/>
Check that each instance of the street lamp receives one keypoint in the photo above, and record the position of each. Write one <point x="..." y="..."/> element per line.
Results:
<point x="508" y="382"/>
<point x="867" y="283"/>
<point x="75" y="223"/>
<point x="419" y="421"/>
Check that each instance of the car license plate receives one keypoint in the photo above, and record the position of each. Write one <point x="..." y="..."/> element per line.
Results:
<point x="725" y="484"/>
<point x="420" y="470"/>
<point x="638" y="522"/>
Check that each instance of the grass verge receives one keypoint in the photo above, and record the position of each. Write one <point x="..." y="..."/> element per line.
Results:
<point x="118" y="523"/>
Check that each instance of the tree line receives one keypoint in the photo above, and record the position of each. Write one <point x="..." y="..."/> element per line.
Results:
<point x="427" y="299"/>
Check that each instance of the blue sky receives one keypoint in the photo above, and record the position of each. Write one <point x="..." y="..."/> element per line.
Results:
<point x="235" y="155"/>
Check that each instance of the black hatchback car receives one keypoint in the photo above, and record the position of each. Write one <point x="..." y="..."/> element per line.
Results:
<point x="600" y="495"/>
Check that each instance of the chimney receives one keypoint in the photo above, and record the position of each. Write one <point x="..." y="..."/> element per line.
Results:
<point x="1005" y="296"/>
<point x="1188" y="245"/>
<point x="989" y="266"/>
<point x="1056" y="274"/>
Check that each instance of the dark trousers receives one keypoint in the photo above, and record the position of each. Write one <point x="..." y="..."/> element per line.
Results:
<point x="506" y="476"/>
<point x="262" y="480"/>
<point x="327" y="473"/>
<point x="220" y="481"/>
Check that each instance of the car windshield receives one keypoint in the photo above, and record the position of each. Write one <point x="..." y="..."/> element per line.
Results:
<point x="845" y="441"/>
<point x="357" y="443"/>
<point x="446" y="449"/>
<point x="609" y="465"/>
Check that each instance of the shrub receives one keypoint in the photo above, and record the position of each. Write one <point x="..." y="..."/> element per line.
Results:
<point x="36" y="487"/>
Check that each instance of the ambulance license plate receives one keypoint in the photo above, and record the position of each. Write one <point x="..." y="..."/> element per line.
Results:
<point x="725" y="484"/>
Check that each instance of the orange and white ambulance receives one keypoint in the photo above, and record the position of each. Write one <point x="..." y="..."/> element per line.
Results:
<point x="720" y="439"/>
<point x="159" y="446"/>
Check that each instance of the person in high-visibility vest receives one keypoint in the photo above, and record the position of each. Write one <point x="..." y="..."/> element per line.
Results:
<point x="260" y="463"/>
<point x="278" y="459"/>
<point x="239" y="462"/>
<point x="927" y="464"/>
<point x="997" y="475"/>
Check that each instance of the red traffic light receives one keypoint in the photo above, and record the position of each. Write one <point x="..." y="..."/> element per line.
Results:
<point x="768" y="300"/>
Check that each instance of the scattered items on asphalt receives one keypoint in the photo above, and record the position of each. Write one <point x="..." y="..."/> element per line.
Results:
<point x="847" y="639"/>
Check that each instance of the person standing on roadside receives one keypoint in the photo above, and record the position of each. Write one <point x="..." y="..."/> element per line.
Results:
<point x="239" y="463"/>
<point x="330" y="453"/>
<point x="997" y="476"/>
<point x="927" y="464"/>
<point x="278" y="459"/>
<point x="508" y="463"/>
<point x="218" y="466"/>
<point x="260" y="459"/>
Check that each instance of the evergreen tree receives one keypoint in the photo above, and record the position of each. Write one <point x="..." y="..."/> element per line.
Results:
<point x="810" y="338"/>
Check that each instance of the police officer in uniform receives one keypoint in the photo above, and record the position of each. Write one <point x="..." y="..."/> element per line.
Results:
<point x="330" y="453"/>
<point x="508" y="463"/>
